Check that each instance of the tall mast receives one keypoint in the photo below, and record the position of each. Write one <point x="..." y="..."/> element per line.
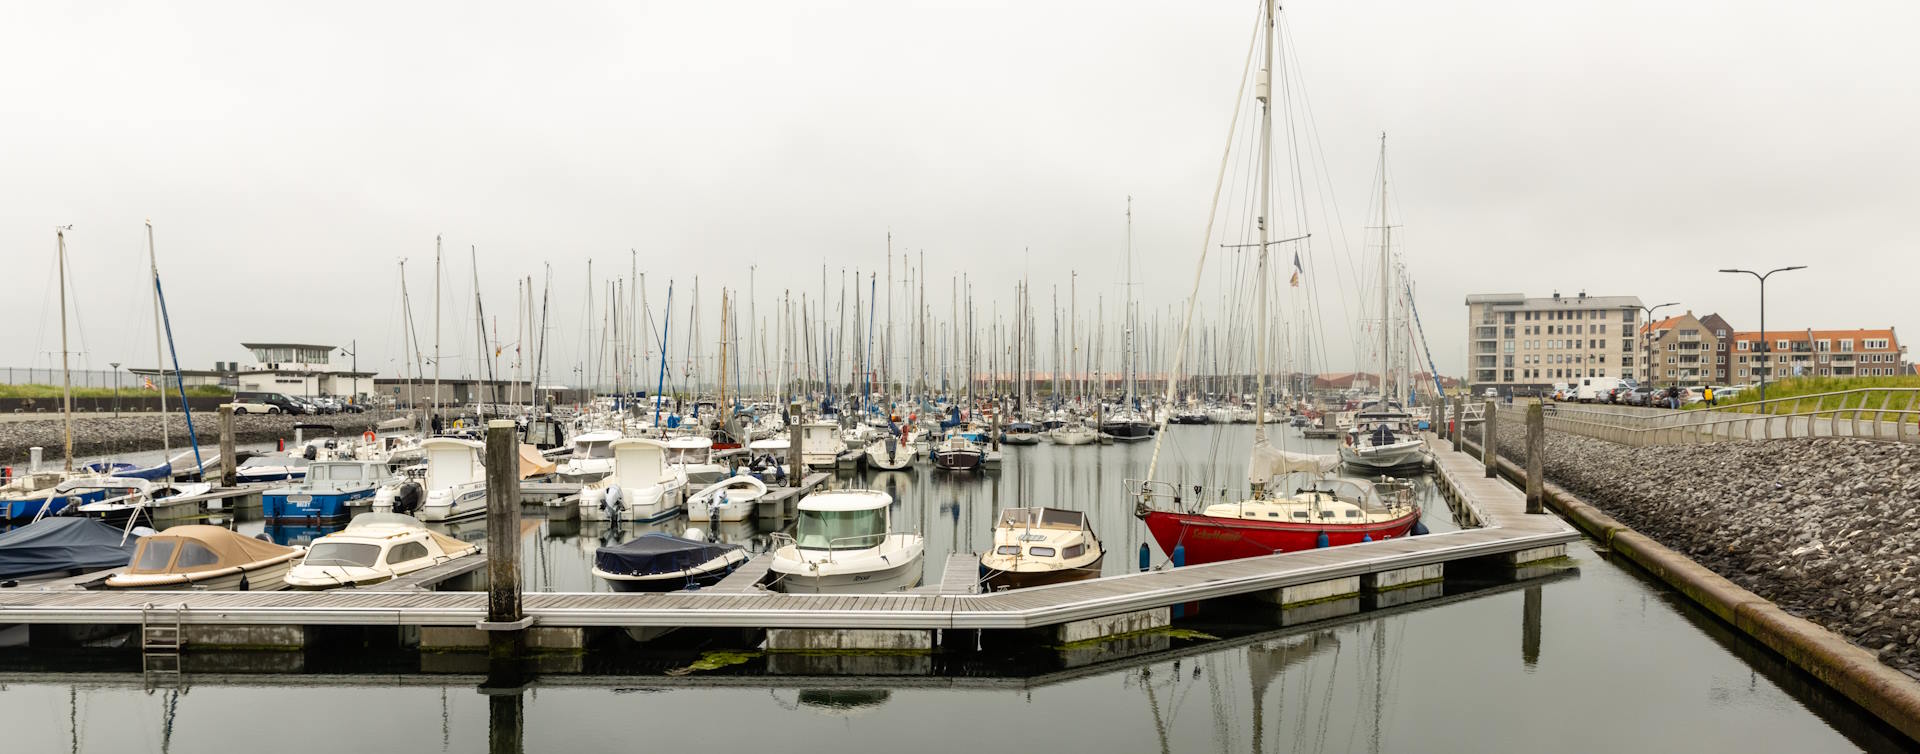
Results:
<point x="1263" y="91"/>
<point x="66" y="376"/>
<point x="435" y="410"/>
<point x="1386" y="272"/>
<point x="1126" y="315"/>
<point x="159" y="355"/>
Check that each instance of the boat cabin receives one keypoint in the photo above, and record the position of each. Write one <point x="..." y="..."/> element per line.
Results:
<point x="843" y="520"/>
<point x="639" y="462"/>
<point x="453" y="461"/>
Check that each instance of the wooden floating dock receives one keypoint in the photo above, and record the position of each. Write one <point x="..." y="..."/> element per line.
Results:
<point x="1078" y="610"/>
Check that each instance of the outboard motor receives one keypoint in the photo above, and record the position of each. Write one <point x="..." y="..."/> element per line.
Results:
<point x="310" y="453"/>
<point x="610" y="502"/>
<point x="409" y="498"/>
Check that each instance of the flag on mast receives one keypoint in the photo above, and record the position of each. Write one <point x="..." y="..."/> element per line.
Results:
<point x="1295" y="282"/>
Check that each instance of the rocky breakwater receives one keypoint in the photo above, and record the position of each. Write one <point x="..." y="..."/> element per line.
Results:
<point x="102" y="436"/>
<point x="1827" y="529"/>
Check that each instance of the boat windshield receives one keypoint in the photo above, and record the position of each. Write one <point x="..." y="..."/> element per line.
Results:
<point x="342" y="554"/>
<point x="155" y="554"/>
<point x="840" y="530"/>
<point x="595" y="450"/>
<point x="687" y="456"/>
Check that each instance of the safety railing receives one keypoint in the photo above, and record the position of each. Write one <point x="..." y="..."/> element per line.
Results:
<point x="1885" y="414"/>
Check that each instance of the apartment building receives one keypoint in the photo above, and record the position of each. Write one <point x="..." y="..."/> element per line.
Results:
<point x="1526" y="344"/>
<point x="1817" y="353"/>
<point x="1688" y="350"/>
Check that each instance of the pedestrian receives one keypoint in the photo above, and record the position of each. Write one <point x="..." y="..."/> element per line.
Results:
<point x="1673" y="396"/>
<point x="1709" y="395"/>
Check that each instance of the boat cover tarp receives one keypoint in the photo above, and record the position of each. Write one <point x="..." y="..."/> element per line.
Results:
<point x="60" y="544"/>
<point x="533" y="464"/>
<point x="655" y="553"/>
<point x="228" y="548"/>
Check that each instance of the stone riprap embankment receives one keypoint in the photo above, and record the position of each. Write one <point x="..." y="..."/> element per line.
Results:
<point x="1827" y="529"/>
<point x="101" y="436"/>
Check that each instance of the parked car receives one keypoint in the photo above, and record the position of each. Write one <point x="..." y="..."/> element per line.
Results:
<point x="1639" y="396"/>
<point x="277" y="400"/>
<point x="327" y="405"/>
<point x="1491" y="392"/>
<point x="1595" y="389"/>
<point x="1561" y="392"/>
<point x="354" y="408"/>
<point x="243" y="407"/>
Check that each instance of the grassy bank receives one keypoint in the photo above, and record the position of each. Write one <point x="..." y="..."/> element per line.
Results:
<point x="128" y="392"/>
<point x="1878" y="390"/>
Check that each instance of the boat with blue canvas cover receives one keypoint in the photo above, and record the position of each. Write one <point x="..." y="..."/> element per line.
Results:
<point x="662" y="562"/>
<point x="63" y="546"/>
<point x="326" y="492"/>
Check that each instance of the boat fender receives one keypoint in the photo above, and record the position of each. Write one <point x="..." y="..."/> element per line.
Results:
<point x="1179" y="556"/>
<point x="1321" y="541"/>
<point x="1146" y="558"/>
<point x="1419" y="529"/>
<point x="244" y="586"/>
<point x="280" y="445"/>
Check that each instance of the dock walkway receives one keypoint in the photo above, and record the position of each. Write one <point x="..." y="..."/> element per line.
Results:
<point x="1507" y="532"/>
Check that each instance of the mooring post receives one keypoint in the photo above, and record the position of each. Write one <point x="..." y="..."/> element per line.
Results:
<point x="796" y="470"/>
<point x="228" y="476"/>
<point x="1530" y="626"/>
<point x="505" y="622"/>
<point x="1487" y="452"/>
<point x="1536" y="447"/>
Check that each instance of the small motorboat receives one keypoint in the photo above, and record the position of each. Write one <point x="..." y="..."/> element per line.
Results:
<point x="203" y="557"/>
<point x="272" y="467"/>
<point x="661" y="562"/>
<point x="641" y="488"/>
<point x="375" y="547"/>
<point x="1037" y="546"/>
<point x="63" y="546"/>
<point x="326" y="492"/>
<point x="730" y="499"/>
<point x="820" y="445"/>
<point x="957" y="453"/>
<point x="843" y="542"/>
<point x="1190" y="415"/>
<point x="592" y="457"/>
<point x="115" y="500"/>
<point x="1383" y="439"/>
<point x="1074" y="433"/>
<point x="692" y="455"/>
<point x="890" y="453"/>
<point x="456" y="479"/>
<point x="37" y="493"/>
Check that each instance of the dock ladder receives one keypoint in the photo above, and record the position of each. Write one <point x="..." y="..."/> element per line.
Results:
<point x="161" y="640"/>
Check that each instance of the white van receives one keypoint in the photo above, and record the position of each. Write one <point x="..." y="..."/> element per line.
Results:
<point x="1595" y="389"/>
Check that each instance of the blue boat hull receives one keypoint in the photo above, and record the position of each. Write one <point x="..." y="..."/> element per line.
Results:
<point x="293" y="504"/>
<point x="22" y="508"/>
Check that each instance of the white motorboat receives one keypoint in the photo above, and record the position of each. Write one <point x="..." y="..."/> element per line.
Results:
<point x="730" y="499"/>
<point x="375" y="547"/>
<point x="843" y="542"/>
<point x="692" y="456"/>
<point x="456" y="479"/>
<point x="199" y="556"/>
<point x="1039" y="546"/>
<point x="641" y="488"/>
<point x="116" y="499"/>
<point x="820" y="445"/>
<point x="1074" y="433"/>
<point x="592" y="457"/>
<point x="890" y="453"/>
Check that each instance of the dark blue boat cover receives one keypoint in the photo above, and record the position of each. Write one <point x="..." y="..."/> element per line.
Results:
<point x="60" y="544"/>
<point x="656" y="553"/>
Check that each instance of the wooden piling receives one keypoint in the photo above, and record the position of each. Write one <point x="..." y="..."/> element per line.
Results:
<point x="505" y="621"/>
<point x="1456" y="428"/>
<point x="1488" y="453"/>
<point x="796" y="468"/>
<point x="1536" y="448"/>
<point x="228" y="474"/>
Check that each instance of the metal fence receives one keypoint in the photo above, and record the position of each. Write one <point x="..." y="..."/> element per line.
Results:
<point x="81" y="377"/>
<point x="1889" y="414"/>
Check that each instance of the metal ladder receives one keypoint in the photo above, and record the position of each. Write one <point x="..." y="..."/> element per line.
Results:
<point x="161" y="639"/>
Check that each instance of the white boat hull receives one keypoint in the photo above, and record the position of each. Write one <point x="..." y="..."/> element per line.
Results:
<point x="1400" y="455"/>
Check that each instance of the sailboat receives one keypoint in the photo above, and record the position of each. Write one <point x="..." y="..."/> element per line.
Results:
<point x="1127" y="423"/>
<point x="1320" y="512"/>
<point x="1384" y="437"/>
<point x="33" y="494"/>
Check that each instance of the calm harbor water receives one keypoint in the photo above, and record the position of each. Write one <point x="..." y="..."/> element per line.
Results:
<point x="1586" y="656"/>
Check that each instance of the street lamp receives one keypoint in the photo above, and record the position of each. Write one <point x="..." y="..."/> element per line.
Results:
<point x="116" y="387"/>
<point x="1766" y="360"/>
<point x="1646" y="344"/>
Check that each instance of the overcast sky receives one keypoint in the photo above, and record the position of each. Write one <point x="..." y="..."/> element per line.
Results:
<point x="290" y="156"/>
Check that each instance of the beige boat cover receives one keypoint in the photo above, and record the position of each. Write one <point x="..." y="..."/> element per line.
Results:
<point x="230" y="549"/>
<point x="452" y="547"/>
<point x="533" y="464"/>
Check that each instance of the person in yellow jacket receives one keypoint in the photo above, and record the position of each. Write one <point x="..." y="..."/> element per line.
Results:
<point x="1709" y="395"/>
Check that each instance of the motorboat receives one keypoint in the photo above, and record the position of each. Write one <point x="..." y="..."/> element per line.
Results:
<point x="730" y="499"/>
<point x="326" y="492"/>
<point x="37" y="493"/>
<point x="692" y="456"/>
<point x="1383" y="439"/>
<point x="375" y="547"/>
<point x="820" y="445"/>
<point x="957" y="453"/>
<point x="1190" y="415"/>
<point x="200" y="556"/>
<point x="890" y="453"/>
<point x="661" y="562"/>
<point x="272" y="467"/>
<point x="62" y="546"/>
<point x="1038" y="546"/>
<point x="115" y="500"/>
<point x="843" y="542"/>
<point x="641" y="488"/>
<point x="456" y="479"/>
<point x="1321" y="512"/>
<point x="592" y="457"/>
<point x="767" y="459"/>
<point x="1020" y="433"/>
<point x="1074" y="433"/>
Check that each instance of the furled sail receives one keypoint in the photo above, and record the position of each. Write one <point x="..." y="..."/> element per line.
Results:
<point x="1267" y="462"/>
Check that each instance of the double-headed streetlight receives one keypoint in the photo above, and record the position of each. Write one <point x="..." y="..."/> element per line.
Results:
<point x="116" y="388"/>
<point x="1646" y="342"/>
<point x="1766" y="359"/>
